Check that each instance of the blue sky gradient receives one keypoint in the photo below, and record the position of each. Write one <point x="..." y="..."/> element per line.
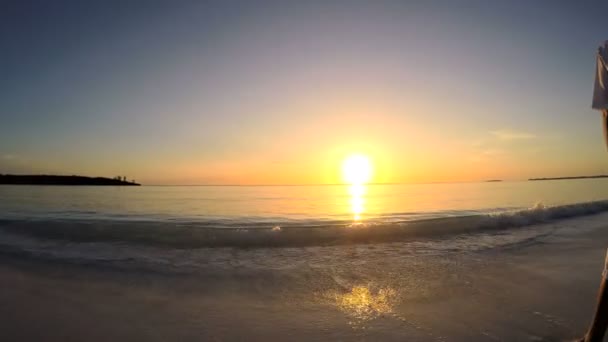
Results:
<point x="219" y="92"/>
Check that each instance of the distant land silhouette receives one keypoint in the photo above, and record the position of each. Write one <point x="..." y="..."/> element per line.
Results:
<point x="62" y="180"/>
<point x="561" y="178"/>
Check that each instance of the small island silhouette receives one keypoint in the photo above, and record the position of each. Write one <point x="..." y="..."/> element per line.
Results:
<point x="63" y="180"/>
<point x="565" y="178"/>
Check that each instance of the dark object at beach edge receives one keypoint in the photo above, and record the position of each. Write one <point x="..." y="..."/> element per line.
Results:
<point x="61" y="180"/>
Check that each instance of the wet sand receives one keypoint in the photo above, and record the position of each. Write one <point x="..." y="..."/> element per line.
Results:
<point x="544" y="291"/>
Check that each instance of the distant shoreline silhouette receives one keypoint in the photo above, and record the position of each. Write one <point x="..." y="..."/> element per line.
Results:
<point x="63" y="180"/>
<point x="563" y="178"/>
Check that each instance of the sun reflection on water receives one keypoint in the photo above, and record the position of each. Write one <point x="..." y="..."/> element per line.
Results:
<point x="357" y="200"/>
<point x="363" y="304"/>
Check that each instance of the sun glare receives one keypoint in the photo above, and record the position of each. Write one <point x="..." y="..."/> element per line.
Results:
<point x="357" y="169"/>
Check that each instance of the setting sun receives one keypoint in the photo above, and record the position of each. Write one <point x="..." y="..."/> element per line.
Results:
<point x="357" y="169"/>
<point x="378" y="170"/>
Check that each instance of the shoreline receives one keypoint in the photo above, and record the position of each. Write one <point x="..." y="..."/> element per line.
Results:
<point x="543" y="291"/>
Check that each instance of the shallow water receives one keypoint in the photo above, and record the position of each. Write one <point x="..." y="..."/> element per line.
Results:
<point x="264" y="206"/>
<point x="433" y="262"/>
<point x="262" y="216"/>
<point x="474" y="287"/>
<point x="463" y="216"/>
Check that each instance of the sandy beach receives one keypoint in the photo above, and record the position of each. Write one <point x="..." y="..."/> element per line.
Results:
<point x="540" y="290"/>
<point x="303" y="170"/>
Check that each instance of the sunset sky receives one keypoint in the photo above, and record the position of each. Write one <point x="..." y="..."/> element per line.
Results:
<point x="281" y="92"/>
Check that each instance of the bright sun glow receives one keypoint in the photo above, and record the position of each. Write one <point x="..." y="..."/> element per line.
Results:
<point x="357" y="169"/>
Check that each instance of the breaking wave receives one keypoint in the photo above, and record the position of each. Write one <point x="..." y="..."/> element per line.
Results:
<point x="184" y="235"/>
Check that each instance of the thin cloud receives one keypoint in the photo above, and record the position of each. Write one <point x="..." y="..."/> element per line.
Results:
<point x="488" y="154"/>
<point x="509" y="135"/>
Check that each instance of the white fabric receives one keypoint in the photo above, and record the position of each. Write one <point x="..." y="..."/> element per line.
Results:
<point x="600" y="90"/>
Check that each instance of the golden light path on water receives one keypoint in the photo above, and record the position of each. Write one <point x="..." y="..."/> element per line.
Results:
<point x="357" y="200"/>
<point x="357" y="171"/>
<point x="362" y="304"/>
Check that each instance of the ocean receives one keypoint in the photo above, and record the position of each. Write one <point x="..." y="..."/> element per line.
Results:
<point x="267" y="206"/>
<point x="516" y="261"/>
<point x="189" y="217"/>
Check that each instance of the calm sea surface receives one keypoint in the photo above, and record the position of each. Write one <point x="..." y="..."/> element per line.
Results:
<point x="269" y="205"/>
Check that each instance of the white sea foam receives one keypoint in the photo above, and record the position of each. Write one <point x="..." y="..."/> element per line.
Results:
<point x="289" y="234"/>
